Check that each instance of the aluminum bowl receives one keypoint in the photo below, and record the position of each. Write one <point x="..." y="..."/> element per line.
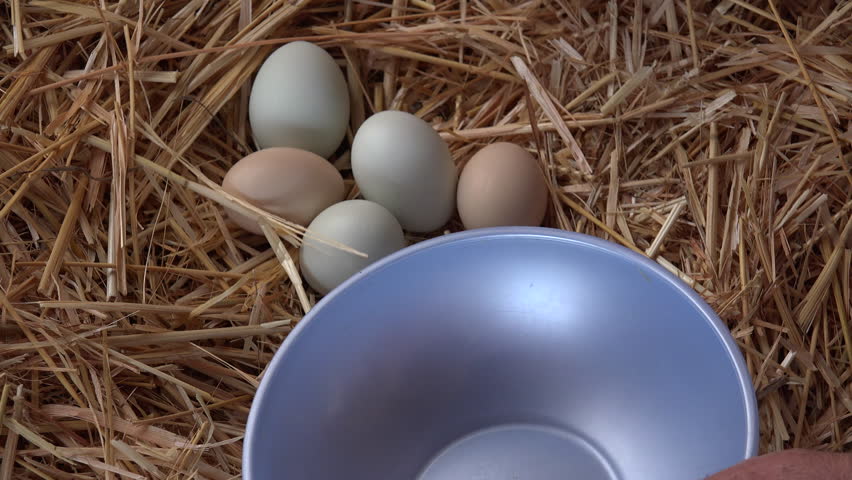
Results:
<point x="512" y="353"/>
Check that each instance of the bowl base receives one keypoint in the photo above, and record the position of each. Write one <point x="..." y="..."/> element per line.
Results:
<point x="520" y="451"/>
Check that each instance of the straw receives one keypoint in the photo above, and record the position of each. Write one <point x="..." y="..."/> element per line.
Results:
<point x="136" y="319"/>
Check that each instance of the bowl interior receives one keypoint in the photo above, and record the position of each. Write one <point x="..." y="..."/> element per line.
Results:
<point x="505" y="354"/>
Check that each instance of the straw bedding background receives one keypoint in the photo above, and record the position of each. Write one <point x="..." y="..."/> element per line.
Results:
<point x="135" y="320"/>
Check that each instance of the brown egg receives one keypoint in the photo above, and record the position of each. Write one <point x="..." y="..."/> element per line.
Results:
<point x="501" y="185"/>
<point x="291" y="183"/>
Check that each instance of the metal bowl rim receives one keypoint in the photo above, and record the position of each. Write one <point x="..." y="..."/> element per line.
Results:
<point x="722" y="332"/>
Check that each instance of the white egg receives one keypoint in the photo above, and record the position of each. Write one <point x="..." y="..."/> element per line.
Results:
<point x="362" y="225"/>
<point x="300" y="100"/>
<point x="400" y="162"/>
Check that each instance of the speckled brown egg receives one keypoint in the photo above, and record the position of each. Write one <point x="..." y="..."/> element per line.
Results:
<point x="291" y="183"/>
<point x="501" y="185"/>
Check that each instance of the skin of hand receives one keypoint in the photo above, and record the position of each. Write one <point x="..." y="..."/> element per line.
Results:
<point x="795" y="464"/>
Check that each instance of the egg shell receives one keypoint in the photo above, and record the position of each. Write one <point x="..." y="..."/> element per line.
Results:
<point x="291" y="183"/>
<point x="299" y="99"/>
<point x="501" y="185"/>
<point x="360" y="224"/>
<point x="400" y="162"/>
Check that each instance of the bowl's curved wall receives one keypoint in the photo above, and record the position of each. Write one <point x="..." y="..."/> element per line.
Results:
<point x="504" y="326"/>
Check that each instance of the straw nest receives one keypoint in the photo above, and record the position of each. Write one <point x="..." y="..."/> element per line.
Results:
<point x="136" y="320"/>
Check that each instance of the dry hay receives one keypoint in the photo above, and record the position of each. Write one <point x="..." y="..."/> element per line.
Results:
<point x="136" y="321"/>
